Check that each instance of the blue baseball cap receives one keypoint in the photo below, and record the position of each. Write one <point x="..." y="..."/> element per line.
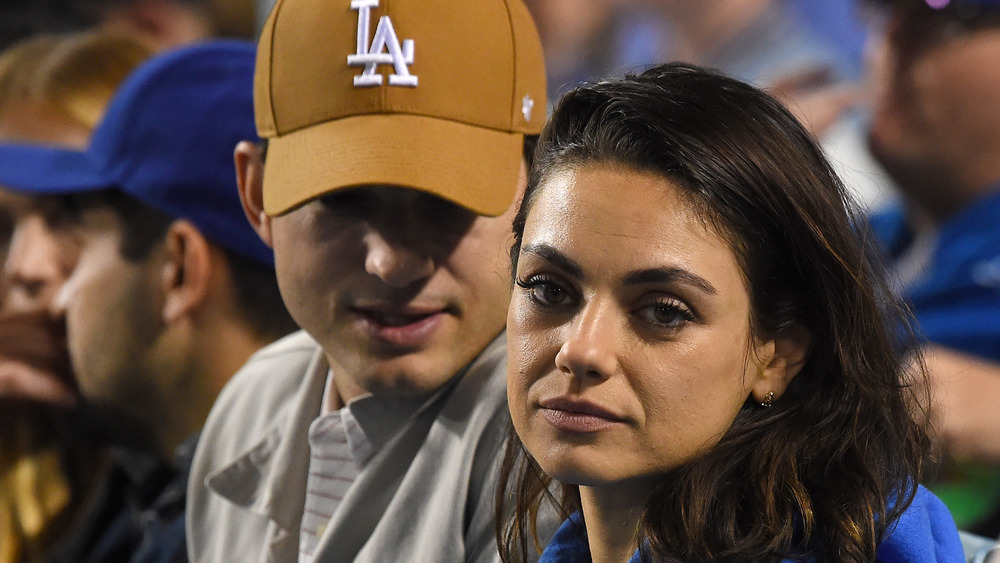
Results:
<point x="166" y="139"/>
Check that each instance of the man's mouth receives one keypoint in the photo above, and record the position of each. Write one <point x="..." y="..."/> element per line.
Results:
<point x="395" y="319"/>
<point x="404" y="327"/>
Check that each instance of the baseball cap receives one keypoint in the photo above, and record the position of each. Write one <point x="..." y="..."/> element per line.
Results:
<point x="433" y="95"/>
<point x="166" y="139"/>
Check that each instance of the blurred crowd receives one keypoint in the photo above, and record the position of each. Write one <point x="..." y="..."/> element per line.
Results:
<point x="112" y="354"/>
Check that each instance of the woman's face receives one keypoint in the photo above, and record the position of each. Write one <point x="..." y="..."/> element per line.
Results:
<point x="629" y="341"/>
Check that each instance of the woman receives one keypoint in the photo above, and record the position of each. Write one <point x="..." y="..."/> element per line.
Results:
<point x="701" y="351"/>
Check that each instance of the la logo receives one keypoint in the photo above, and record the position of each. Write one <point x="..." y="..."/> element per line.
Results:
<point x="385" y="48"/>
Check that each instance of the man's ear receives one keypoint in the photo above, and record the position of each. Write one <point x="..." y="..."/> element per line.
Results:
<point x="187" y="271"/>
<point x="781" y="359"/>
<point x="249" y="159"/>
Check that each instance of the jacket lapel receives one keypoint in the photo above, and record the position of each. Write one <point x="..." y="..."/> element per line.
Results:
<point x="270" y="478"/>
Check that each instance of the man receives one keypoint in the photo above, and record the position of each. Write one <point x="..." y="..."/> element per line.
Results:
<point x="936" y="129"/>
<point x="53" y="90"/>
<point x="171" y="292"/>
<point x="395" y="138"/>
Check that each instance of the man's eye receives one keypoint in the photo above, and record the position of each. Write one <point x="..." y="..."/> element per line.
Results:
<point x="348" y="200"/>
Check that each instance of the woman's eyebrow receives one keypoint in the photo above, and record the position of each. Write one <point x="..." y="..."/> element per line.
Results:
<point x="667" y="275"/>
<point x="638" y="277"/>
<point x="553" y="256"/>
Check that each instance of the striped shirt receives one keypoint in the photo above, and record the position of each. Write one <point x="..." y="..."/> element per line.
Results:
<point x="339" y="449"/>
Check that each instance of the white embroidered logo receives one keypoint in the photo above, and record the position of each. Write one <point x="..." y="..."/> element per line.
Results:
<point x="526" y="104"/>
<point x="399" y="55"/>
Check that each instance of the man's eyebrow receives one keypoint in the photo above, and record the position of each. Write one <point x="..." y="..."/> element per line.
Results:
<point x="668" y="275"/>
<point x="553" y="256"/>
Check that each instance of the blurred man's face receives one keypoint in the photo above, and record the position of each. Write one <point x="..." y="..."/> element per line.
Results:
<point x="112" y="307"/>
<point x="39" y="255"/>
<point x="937" y="99"/>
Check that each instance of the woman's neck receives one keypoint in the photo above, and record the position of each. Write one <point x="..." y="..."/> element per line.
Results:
<point x="612" y="518"/>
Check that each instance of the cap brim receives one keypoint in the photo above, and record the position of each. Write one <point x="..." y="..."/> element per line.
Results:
<point x="475" y="167"/>
<point x="42" y="170"/>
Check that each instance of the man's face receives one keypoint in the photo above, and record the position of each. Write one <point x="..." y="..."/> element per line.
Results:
<point x="113" y="319"/>
<point x="38" y="257"/>
<point x="402" y="289"/>
<point x="937" y="98"/>
<point x="39" y="254"/>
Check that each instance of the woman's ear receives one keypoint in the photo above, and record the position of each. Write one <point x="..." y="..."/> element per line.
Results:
<point x="187" y="271"/>
<point x="781" y="360"/>
<point x="249" y="160"/>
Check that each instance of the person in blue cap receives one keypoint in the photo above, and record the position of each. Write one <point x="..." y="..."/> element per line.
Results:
<point x="53" y="90"/>
<point x="935" y="128"/>
<point x="172" y="291"/>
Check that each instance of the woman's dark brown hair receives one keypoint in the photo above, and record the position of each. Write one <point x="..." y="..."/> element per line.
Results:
<point x="835" y="461"/>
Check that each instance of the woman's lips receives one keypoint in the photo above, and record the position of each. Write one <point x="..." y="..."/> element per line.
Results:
<point x="578" y="416"/>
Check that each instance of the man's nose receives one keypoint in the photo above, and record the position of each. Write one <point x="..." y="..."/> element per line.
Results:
<point x="395" y="260"/>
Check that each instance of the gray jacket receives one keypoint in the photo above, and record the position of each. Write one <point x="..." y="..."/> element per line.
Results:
<point x="426" y="495"/>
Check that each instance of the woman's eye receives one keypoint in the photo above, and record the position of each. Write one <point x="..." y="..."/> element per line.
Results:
<point x="669" y="314"/>
<point x="549" y="294"/>
<point x="545" y="291"/>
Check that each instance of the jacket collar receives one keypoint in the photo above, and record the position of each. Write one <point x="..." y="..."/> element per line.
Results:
<point x="271" y="472"/>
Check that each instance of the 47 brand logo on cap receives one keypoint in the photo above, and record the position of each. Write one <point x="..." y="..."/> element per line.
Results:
<point x="385" y="48"/>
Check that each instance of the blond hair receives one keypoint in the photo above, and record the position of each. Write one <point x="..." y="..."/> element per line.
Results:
<point x="73" y="75"/>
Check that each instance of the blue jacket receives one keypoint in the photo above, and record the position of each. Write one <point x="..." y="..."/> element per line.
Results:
<point x="956" y="302"/>
<point x="956" y="299"/>
<point x="925" y="533"/>
<point x="135" y="516"/>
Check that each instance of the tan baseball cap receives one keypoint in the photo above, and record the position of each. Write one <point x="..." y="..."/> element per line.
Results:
<point x="434" y="95"/>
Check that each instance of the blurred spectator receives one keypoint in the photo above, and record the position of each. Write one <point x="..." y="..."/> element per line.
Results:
<point x="583" y="39"/>
<point x="20" y="19"/>
<point x="936" y="130"/>
<point x="773" y="44"/>
<point x="754" y="40"/>
<point x="261" y="9"/>
<point x="839" y="23"/>
<point x="805" y="51"/>
<point x="52" y="90"/>
<point x="157" y="23"/>
<point x="759" y="41"/>
<point x="172" y="290"/>
<point x="168" y="23"/>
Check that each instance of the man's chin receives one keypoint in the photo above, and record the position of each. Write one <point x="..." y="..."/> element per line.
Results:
<point x="406" y="385"/>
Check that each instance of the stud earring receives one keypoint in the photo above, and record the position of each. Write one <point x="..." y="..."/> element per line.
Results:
<point x="768" y="399"/>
